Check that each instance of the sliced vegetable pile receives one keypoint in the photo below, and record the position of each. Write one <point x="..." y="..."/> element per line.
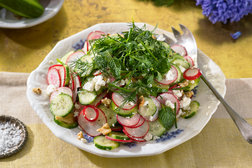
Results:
<point x="122" y="88"/>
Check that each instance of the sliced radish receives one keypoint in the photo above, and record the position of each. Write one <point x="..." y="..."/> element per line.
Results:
<point x="192" y="73"/>
<point x="72" y="83"/>
<point x="181" y="50"/>
<point x="158" y="105"/>
<point x="128" y="122"/>
<point x="95" y="35"/>
<point x="136" y="139"/>
<point x="90" y="113"/>
<point x="118" y="99"/>
<point x="119" y="140"/>
<point x="96" y="73"/>
<point x="141" y="122"/>
<point x="77" y="83"/>
<point x="60" y="90"/>
<point x="91" y="127"/>
<point x="162" y="98"/>
<point x="86" y="47"/>
<point x="98" y="99"/>
<point x="74" y="57"/>
<point x="138" y="132"/>
<point x="190" y="60"/>
<point x="62" y="72"/>
<point x="170" y="76"/>
<point x="53" y="77"/>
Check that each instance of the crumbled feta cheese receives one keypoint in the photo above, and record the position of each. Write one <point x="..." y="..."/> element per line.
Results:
<point x="122" y="82"/>
<point x="99" y="82"/>
<point x="182" y="69"/>
<point x="77" y="106"/>
<point x="89" y="86"/>
<point x="170" y="75"/>
<point x="161" y="38"/>
<point x="148" y="137"/>
<point x="178" y="93"/>
<point x="50" y="89"/>
<point x="94" y="84"/>
<point x="185" y="103"/>
<point x="169" y="104"/>
<point x="76" y="113"/>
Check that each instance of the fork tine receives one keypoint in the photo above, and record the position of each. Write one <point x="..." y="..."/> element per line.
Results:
<point x="184" y="29"/>
<point x="176" y="33"/>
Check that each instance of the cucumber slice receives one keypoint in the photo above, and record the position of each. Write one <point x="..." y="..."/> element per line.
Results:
<point x="118" y="135"/>
<point x="110" y="114"/>
<point x="180" y="74"/>
<point x="148" y="109"/>
<point x="86" y="97"/>
<point x="121" y="112"/>
<point x="192" y="84"/>
<point x="180" y="61"/>
<point x="67" y="121"/>
<point x="105" y="144"/>
<point x="25" y="8"/>
<point x="194" y="108"/>
<point x="85" y="66"/>
<point x="156" y="128"/>
<point x="61" y="105"/>
<point x="64" y="58"/>
<point x="67" y="79"/>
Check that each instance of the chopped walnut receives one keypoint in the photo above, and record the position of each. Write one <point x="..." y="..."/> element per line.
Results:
<point x="80" y="135"/>
<point x="189" y="94"/>
<point x="184" y="84"/>
<point x="105" y="129"/>
<point x="154" y="37"/>
<point x="106" y="101"/>
<point x="141" y="99"/>
<point x="38" y="91"/>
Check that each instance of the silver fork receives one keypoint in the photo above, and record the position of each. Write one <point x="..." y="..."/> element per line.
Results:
<point x="187" y="39"/>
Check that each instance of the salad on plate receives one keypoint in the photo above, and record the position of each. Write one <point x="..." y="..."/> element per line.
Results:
<point x="122" y="88"/>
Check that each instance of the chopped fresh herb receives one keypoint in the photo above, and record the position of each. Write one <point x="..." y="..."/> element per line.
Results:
<point x="133" y="55"/>
<point x="167" y="117"/>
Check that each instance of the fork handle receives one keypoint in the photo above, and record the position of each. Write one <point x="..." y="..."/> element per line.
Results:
<point x="243" y="126"/>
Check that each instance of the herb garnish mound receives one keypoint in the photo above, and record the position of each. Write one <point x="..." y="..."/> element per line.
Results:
<point x="135" y="56"/>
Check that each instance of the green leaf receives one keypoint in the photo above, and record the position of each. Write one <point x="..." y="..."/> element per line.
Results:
<point x="167" y="117"/>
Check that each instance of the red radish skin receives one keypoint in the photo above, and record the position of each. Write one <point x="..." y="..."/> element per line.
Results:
<point x="190" y="60"/>
<point x="90" y="128"/>
<point x="168" y="82"/>
<point x="96" y="73"/>
<point x="95" y="35"/>
<point x="137" y="139"/>
<point x="90" y="113"/>
<point x="60" y="90"/>
<point x="72" y="83"/>
<point x="53" y="77"/>
<point x="128" y="122"/>
<point x="85" y="49"/>
<point x="138" y="132"/>
<point x="119" y="140"/>
<point x="169" y="96"/>
<point x="192" y="73"/>
<point x="181" y="50"/>
<point x="118" y="100"/>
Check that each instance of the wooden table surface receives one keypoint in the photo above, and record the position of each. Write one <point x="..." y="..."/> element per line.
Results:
<point x="22" y="50"/>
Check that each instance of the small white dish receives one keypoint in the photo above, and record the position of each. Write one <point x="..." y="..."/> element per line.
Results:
<point x="190" y="127"/>
<point x="8" y="20"/>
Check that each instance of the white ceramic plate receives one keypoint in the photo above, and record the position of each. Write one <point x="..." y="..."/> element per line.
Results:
<point x="8" y="20"/>
<point x="190" y="127"/>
